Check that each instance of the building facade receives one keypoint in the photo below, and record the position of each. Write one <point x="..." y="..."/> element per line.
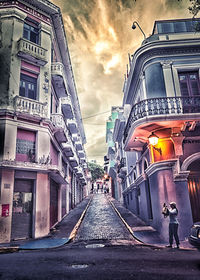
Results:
<point x="43" y="169"/>
<point x="112" y="158"/>
<point x="162" y="103"/>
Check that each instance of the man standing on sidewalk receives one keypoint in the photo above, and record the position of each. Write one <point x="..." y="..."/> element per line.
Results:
<point x="172" y="212"/>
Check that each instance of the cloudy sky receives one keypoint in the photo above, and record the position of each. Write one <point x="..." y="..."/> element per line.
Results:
<point x="100" y="37"/>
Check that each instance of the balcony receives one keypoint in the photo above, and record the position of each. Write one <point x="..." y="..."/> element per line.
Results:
<point x="59" y="80"/>
<point x="72" y="126"/>
<point x="81" y="154"/>
<point x="79" y="146"/>
<point x="30" y="106"/>
<point x="60" y="127"/>
<point x="156" y="114"/>
<point x="67" y="107"/>
<point x="74" y="161"/>
<point x="32" y="52"/>
<point x="79" y="172"/>
<point x="68" y="149"/>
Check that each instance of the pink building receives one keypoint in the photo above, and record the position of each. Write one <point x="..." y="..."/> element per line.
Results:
<point x="43" y="170"/>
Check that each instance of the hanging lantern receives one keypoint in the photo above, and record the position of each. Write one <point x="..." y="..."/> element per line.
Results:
<point x="153" y="139"/>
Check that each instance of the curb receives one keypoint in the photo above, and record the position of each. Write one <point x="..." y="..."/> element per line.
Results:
<point x="140" y="242"/>
<point x="125" y="223"/>
<point x="76" y="227"/>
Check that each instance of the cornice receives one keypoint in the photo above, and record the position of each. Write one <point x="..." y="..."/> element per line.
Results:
<point x="159" y="166"/>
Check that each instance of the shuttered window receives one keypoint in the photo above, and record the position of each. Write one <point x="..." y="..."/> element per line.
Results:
<point x="189" y="84"/>
<point x="25" y="145"/>
<point x="28" y="87"/>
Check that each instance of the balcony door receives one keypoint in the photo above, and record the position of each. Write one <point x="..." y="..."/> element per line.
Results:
<point x="28" y="87"/>
<point x="189" y="84"/>
<point x="190" y="91"/>
<point x="31" y="31"/>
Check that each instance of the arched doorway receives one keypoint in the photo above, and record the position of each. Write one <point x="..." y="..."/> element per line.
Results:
<point x="194" y="189"/>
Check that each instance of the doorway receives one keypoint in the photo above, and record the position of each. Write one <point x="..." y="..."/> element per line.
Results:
<point x="22" y="214"/>
<point x="194" y="189"/>
<point x="53" y="203"/>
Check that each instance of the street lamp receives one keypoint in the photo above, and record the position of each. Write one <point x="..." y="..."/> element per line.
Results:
<point x="153" y="140"/>
<point x="134" y="26"/>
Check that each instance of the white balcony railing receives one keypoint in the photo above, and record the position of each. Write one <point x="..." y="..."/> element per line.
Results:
<point x="32" y="51"/>
<point x="57" y="68"/>
<point x="30" y="106"/>
<point x="58" y="121"/>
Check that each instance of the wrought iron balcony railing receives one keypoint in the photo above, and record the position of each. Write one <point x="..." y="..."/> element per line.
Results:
<point x="162" y="106"/>
<point x="30" y="106"/>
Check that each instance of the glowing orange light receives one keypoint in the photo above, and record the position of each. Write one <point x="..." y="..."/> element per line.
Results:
<point x="153" y="139"/>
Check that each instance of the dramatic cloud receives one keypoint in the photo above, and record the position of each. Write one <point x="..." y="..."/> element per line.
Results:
<point x="100" y="37"/>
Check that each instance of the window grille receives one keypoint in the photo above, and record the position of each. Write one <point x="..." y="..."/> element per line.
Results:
<point x="25" y="147"/>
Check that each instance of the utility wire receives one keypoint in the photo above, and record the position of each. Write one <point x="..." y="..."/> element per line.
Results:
<point x="94" y="123"/>
<point x="95" y="115"/>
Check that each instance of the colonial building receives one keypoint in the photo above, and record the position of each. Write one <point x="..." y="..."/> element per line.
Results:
<point x="112" y="157"/>
<point x="162" y="131"/>
<point x="43" y="170"/>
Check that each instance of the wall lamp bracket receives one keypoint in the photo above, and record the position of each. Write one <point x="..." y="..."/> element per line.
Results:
<point x="158" y="150"/>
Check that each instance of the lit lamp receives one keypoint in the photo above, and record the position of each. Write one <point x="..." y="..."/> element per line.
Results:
<point x="153" y="139"/>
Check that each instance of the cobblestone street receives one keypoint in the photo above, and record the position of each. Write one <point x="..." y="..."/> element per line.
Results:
<point x="101" y="222"/>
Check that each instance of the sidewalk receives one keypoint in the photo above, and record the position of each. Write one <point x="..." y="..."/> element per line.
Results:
<point x="61" y="234"/>
<point x="142" y="232"/>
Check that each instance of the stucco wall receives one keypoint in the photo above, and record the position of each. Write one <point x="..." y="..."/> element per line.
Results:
<point x="42" y="213"/>
<point x="164" y="189"/>
<point x="6" y="198"/>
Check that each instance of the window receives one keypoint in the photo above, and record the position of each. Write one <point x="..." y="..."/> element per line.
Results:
<point x="165" y="27"/>
<point x="28" y="86"/>
<point x="25" y="145"/>
<point x="31" y="31"/>
<point x="189" y="83"/>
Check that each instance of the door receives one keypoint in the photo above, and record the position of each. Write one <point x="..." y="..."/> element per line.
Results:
<point x="194" y="193"/>
<point x="53" y="203"/>
<point x="189" y="83"/>
<point x="190" y="91"/>
<point x="64" y="203"/>
<point x="22" y="209"/>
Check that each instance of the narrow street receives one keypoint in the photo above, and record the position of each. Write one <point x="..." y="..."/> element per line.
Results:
<point x="103" y="249"/>
<point x="101" y="222"/>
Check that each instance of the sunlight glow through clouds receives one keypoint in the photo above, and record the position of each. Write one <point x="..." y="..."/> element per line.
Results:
<point x="100" y="37"/>
<point x="101" y="46"/>
<point x="112" y="63"/>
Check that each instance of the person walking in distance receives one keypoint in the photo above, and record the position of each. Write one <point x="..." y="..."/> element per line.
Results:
<point x="172" y="212"/>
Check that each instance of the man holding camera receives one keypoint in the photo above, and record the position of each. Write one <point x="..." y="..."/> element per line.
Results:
<point x="172" y="212"/>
